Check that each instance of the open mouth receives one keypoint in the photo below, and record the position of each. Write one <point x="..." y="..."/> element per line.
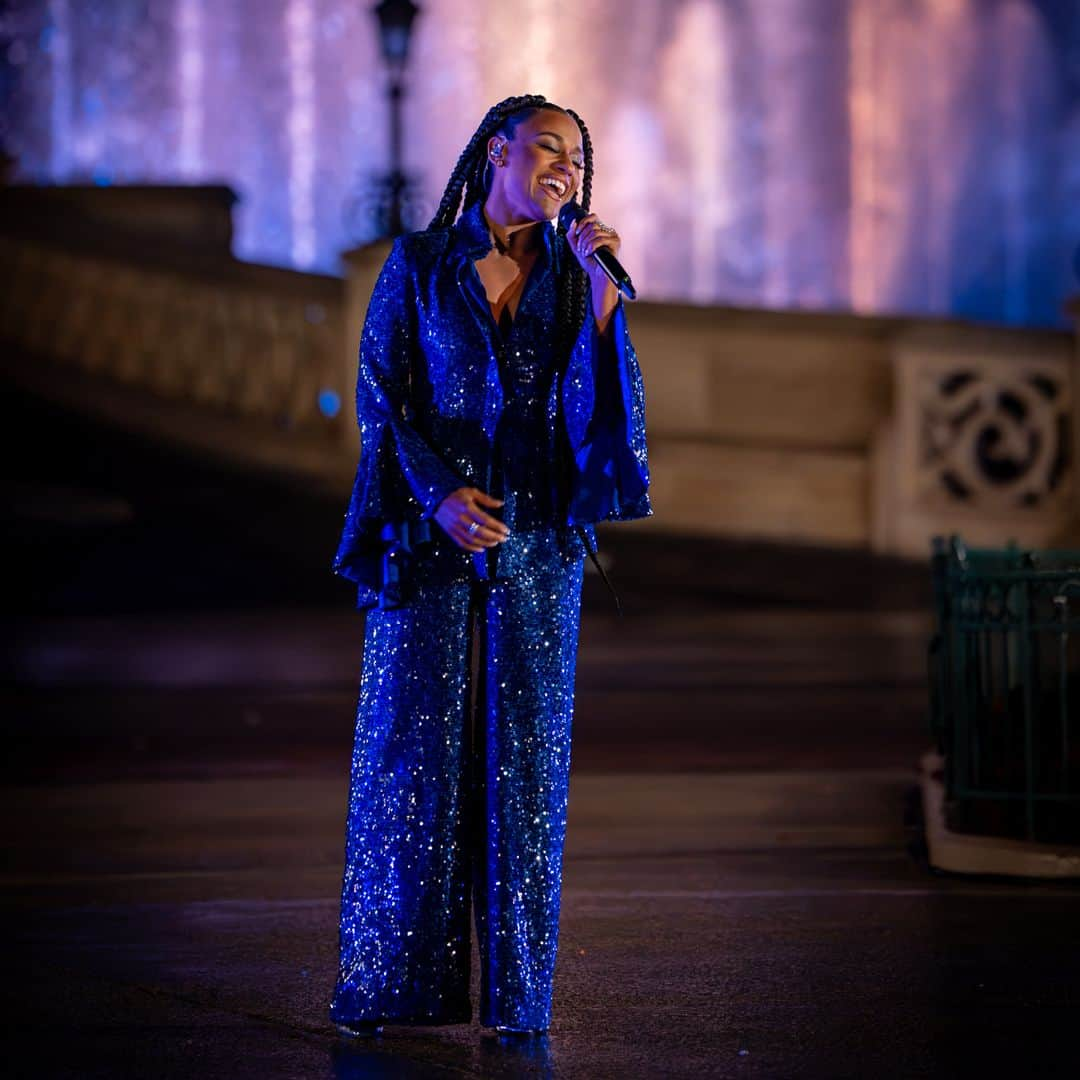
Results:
<point x="554" y="187"/>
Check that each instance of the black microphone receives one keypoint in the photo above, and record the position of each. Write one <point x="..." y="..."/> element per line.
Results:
<point x="611" y="266"/>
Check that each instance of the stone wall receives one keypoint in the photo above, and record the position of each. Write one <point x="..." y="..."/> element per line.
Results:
<point x="825" y="429"/>
<point x="840" y="430"/>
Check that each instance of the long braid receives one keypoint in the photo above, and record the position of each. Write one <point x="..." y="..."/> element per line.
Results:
<point x="468" y="173"/>
<point x="573" y="295"/>
<point x="586" y="145"/>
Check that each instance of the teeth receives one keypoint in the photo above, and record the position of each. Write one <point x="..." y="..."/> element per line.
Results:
<point x="551" y="182"/>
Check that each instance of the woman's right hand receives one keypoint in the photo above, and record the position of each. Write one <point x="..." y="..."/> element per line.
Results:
<point x="463" y="507"/>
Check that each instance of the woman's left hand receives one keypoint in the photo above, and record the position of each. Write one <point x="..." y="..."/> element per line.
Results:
<point x="585" y="236"/>
<point x="588" y="234"/>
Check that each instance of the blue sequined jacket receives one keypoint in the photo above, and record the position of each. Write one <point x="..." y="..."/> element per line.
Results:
<point x="429" y="396"/>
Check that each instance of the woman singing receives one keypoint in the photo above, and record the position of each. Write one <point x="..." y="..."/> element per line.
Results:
<point x="501" y="413"/>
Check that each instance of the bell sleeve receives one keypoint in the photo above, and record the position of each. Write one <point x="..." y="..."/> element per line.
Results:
<point x="603" y="397"/>
<point x="399" y="476"/>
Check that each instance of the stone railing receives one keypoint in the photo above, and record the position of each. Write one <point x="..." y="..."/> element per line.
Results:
<point x="855" y="431"/>
<point x="815" y="428"/>
<point x="248" y="341"/>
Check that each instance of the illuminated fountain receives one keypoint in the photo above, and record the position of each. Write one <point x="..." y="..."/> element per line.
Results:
<point x="877" y="156"/>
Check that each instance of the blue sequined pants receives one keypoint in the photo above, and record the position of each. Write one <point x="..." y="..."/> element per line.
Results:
<point x="458" y="800"/>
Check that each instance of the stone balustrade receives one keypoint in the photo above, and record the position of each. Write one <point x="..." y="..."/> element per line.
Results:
<point x="250" y="341"/>
<point x="850" y="431"/>
<point x="827" y="429"/>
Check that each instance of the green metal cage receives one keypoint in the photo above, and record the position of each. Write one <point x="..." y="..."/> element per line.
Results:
<point x="1005" y="689"/>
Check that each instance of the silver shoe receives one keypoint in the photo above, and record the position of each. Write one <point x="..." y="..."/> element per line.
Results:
<point x="360" y="1029"/>
<point x="505" y="1029"/>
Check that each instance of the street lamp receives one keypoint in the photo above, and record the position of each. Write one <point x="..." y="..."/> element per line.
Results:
<point x="395" y="31"/>
<point x="395" y="28"/>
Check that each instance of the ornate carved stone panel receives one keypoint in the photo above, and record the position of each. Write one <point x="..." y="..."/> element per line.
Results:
<point x="993" y="434"/>
<point x="981" y="440"/>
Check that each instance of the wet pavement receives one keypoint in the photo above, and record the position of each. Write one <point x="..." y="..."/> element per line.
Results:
<point x="744" y="888"/>
<point x="756" y="923"/>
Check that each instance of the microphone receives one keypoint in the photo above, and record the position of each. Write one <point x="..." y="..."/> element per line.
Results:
<point x="611" y="266"/>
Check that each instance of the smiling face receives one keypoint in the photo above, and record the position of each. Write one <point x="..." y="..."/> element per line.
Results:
<point x="540" y="168"/>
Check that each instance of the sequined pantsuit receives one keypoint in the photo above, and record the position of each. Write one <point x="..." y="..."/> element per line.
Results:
<point x="452" y="807"/>
<point x="458" y="791"/>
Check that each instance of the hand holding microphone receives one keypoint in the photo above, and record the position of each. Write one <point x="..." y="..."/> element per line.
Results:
<point x="596" y="245"/>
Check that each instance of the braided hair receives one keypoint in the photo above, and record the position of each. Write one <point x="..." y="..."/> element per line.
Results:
<point x="471" y="177"/>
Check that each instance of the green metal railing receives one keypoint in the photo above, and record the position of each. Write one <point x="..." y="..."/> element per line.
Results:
<point x="1005" y="689"/>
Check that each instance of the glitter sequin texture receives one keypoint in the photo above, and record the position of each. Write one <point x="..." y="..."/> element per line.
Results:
<point x="430" y="395"/>
<point x="458" y="792"/>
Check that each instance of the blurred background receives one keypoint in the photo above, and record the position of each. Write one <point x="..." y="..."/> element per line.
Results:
<point x="814" y="749"/>
<point x="878" y="156"/>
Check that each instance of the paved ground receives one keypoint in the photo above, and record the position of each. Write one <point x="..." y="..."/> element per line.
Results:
<point x="744" y="893"/>
<point x="767" y="924"/>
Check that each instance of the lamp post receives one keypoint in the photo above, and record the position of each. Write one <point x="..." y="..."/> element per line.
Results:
<point x="395" y="31"/>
